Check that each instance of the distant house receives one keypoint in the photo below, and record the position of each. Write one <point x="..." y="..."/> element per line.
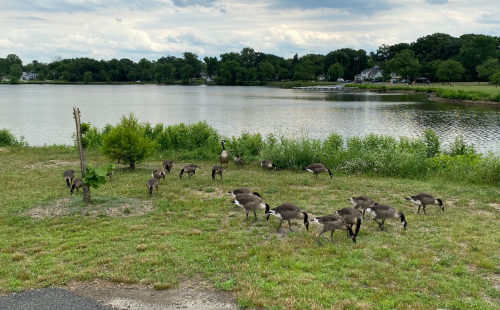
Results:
<point x="320" y="77"/>
<point x="370" y="74"/>
<point x="4" y="78"/>
<point x="29" y="76"/>
<point x="204" y="76"/>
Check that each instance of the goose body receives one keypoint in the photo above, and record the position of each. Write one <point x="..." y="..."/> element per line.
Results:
<point x="351" y="217"/>
<point x="152" y="184"/>
<point x="68" y="176"/>
<point x="238" y="161"/>
<point x="267" y="164"/>
<point x="384" y="212"/>
<point x="362" y="202"/>
<point x="423" y="200"/>
<point x="224" y="156"/>
<point x="318" y="168"/>
<point x="158" y="174"/>
<point x="168" y="164"/>
<point x="190" y="169"/>
<point x="77" y="183"/>
<point x="287" y="212"/>
<point x="251" y="203"/>
<point x="241" y="190"/>
<point x="331" y="223"/>
<point x="216" y="170"/>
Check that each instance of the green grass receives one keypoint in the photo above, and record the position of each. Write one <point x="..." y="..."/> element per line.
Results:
<point x="189" y="229"/>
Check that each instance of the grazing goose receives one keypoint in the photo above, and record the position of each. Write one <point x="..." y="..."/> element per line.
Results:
<point x="158" y="174"/>
<point x="224" y="156"/>
<point x="241" y="199"/>
<point x="77" y="183"/>
<point x="423" y="200"/>
<point x="287" y="212"/>
<point x="152" y="184"/>
<point x="351" y="217"/>
<point x="168" y="164"/>
<point x="251" y="203"/>
<point x="239" y="161"/>
<point x="331" y="223"/>
<point x="385" y="212"/>
<point x="190" y="169"/>
<point x="318" y="168"/>
<point x="241" y="190"/>
<point x="68" y="176"/>
<point x="216" y="170"/>
<point x="255" y="194"/>
<point x="362" y="202"/>
<point x="267" y="164"/>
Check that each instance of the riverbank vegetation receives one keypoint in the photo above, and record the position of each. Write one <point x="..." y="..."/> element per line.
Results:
<point x="189" y="228"/>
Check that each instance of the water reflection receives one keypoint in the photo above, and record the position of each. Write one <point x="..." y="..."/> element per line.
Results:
<point x="43" y="113"/>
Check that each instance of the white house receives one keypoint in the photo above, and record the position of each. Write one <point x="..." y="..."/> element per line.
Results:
<point x="29" y="76"/>
<point x="369" y="74"/>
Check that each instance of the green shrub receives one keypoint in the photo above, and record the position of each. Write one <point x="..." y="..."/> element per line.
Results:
<point x="287" y="152"/>
<point x="460" y="147"/>
<point x="432" y="143"/>
<point x="247" y="145"/>
<point x="8" y="139"/>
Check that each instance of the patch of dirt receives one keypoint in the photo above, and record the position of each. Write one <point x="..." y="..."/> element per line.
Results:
<point x="121" y="208"/>
<point x="189" y="295"/>
<point x="54" y="163"/>
<point x="3" y="150"/>
<point x="217" y="193"/>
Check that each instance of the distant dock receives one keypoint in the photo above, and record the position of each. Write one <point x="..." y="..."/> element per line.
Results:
<point x="321" y="88"/>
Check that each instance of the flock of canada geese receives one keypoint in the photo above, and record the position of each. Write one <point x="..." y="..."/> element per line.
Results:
<point x="343" y="219"/>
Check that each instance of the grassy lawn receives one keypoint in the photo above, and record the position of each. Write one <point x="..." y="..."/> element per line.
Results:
<point x="471" y="86"/>
<point x="189" y="229"/>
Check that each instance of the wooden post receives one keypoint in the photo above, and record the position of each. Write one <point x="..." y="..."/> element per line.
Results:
<point x="83" y="162"/>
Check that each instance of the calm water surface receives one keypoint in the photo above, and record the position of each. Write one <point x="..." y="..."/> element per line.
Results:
<point x="43" y="113"/>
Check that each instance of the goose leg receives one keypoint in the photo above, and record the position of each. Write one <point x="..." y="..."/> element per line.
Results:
<point x="418" y="212"/>
<point x="290" y="225"/>
<point x="255" y="215"/>
<point x="424" y="209"/>
<point x="279" y="226"/>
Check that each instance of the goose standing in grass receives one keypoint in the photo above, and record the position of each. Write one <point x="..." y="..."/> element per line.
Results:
<point x="68" y="176"/>
<point x="239" y="161"/>
<point x="158" y="174"/>
<point x="318" y="168"/>
<point x="152" y="184"/>
<point x="351" y="217"/>
<point x="423" y="200"/>
<point x="267" y="164"/>
<point x="190" y="169"/>
<point x="224" y="156"/>
<point x="217" y="170"/>
<point x="362" y="202"/>
<point x="251" y="203"/>
<point x="241" y="190"/>
<point x="384" y="212"/>
<point x="287" y="212"/>
<point x="331" y="223"/>
<point x="168" y="164"/>
<point x="77" y="183"/>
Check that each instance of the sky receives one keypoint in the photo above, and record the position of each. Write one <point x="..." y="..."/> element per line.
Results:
<point x="44" y="30"/>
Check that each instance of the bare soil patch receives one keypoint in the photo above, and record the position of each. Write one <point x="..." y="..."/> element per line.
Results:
<point x="53" y="163"/>
<point x="108" y="207"/>
<point x="189" y="295"/>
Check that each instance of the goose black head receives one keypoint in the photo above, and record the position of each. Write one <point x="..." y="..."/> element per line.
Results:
<point x="180" y="174"/>
<point x="441" y="204"/>
<point x="403" y="221"/>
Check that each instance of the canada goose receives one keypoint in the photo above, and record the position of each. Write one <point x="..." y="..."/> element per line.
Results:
<point x="190" y="169"/>
<point x="224" y="156"/>
<point x="255" y="194"/>
<point x="267" y="164"/>
<point x="385" y="212"/>
<point x="77" y="183"/>
<point x="423" y="200"/>
<point x="318" y="168"/>
<point x="151" y="184"/>
<point x="68" y="176"/>
<point x="331" y="223"/>
<point x="287" y="212"/>
<point x="241" y="199"/>
<point x="362" y="202"/>
<point x="216" y="170"/>
<point x="158" y="174"/>
<point x="239" y="161"/>
<point x="251" y="203"/>
<point x="351" y="217"/>
<point x="168" y="164"/>
<point x="241" y="190"/>
<point x="110" y="175"/>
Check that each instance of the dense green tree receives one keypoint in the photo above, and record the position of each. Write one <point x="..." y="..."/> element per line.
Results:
<point x="16" y="70"/>
<point x="404" y="64"/>
<point x="186" y="73"/>
<point x="165" y="73"/>
<point x="127" y="142"/>
<point x="495" y="79"/>
<point x="303" y="71"/>
<point x="66" y="76"/>
<point x="450" y="70"/>
<point x="211" y="65"/>
<point x="131" y="76"/>
<point x="102" y="76"/>
<point x="265" y="72"/>
<point x="113" y="75"/>
<point x="193" y="61"/>
<point x="229" y="72"/>
<point x="335" y="71"/>
<point x="87" y="77"/>
<point x="248" y="57"/>
<point x="475" y="49"/>
<point x="437" y="46"/>
<point x="13" y="59"/>
<point x="488" y="68"/>
<point x="283" y="74"/>
<point x="41" y="76"/>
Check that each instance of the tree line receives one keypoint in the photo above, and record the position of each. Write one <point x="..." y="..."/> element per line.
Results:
<point x="438" y="57"/>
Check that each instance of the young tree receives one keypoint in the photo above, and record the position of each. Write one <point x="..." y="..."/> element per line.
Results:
<point x="127" y="142"/>
<point x="16" y="70"/>
<point x="495" y="79"/>
<point x="335" y="71"/>
<point x="450" y="70"/>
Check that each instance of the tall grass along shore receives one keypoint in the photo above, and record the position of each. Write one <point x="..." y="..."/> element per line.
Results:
<point x="189" y="228"/>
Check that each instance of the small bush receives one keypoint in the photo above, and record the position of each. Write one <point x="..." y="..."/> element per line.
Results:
<point x="432" y="143"/>
<point x="8" y="139"/>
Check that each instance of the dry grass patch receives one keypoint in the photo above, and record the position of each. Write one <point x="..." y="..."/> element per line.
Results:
<point x="53" y="164"/>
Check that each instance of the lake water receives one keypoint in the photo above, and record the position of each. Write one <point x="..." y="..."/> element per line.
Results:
<point x="43" y="114"/>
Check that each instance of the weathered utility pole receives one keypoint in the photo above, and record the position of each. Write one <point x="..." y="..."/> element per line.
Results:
<point x="83" y="161"/>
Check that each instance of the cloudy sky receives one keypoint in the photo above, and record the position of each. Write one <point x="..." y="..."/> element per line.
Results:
<point x="136" y="29"/>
